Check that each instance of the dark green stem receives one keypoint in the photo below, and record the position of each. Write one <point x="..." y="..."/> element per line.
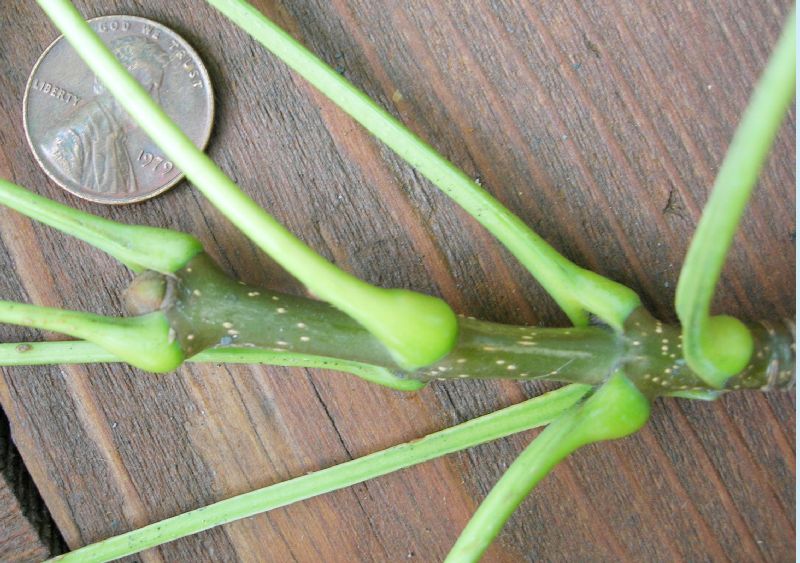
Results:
<point x="655" y="361"/>
<point x="209" y="310"/>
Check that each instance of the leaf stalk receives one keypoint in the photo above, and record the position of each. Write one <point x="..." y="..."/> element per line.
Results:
<point x="529" y="414"/>
<point x="417" y="329"/>
<point x="577" y="291"/>
<point x="719" y="347"/>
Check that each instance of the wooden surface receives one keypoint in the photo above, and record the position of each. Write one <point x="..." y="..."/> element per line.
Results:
<point x="27" y="532"/>
<point x="19" y="540"/>
<point x="602" y="124"/>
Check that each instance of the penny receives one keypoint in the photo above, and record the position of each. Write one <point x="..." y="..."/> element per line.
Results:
<point x="85" y="141"/>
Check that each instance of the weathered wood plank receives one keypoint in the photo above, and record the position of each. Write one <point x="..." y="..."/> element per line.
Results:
<point x="602" y="124"/>
<point x="18" y="538"/>
<point x="27" y="532"/>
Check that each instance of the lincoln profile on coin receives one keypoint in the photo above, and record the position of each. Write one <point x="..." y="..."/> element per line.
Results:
<point x="89" y="146"/>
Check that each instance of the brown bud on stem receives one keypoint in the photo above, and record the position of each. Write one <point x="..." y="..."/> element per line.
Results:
<point x="146" y="294"/>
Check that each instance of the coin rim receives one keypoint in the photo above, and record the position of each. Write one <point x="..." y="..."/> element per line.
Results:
<point x="149" y="195"/>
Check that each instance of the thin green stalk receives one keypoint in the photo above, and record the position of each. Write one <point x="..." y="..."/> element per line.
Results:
<point x="82" y="352"/>
<point x="576" y="290"/>
<point x="368" y="372"/>
<point x="718" y="347"/>
<point x="417" y="328"/>
<point x="146" y="342"/>
<point x="529" y="414"/>
<point x="617" y="409"/>
<point x="54" y="353"/>
<point x="138" y="247"/>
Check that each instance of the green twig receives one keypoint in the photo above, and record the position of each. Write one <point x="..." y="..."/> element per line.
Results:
<point x="576" y="290"/>
<point x="530" y="414"/>
<point x="485" y="350"/>
<point x="417" y="328"/>
<point x="718" y="347"/>
<point x="138" y="247"/>
<point x="617" y="409"/>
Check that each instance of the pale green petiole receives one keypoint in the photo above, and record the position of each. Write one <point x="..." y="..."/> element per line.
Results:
<point x="615" y="410"/>
<point x="417" y="329"/>
<point x="368" y="372"/>
<point x="529" y="414"/>
<point x="54" y="353"/>
<point x="138" y="247"/>
<point x="576" y="290"/>
<point x="719" y="347"/>
<point x="82" y="352"/>
<point x="146" y="342"/>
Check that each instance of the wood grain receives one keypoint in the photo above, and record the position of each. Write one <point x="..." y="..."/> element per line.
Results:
<point x="601" y="123"/>
<point x="27" y="532"/>
<point x="18" y="538"/>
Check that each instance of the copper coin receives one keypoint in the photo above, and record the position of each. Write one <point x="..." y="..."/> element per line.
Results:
<point x="85" y="141"/>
